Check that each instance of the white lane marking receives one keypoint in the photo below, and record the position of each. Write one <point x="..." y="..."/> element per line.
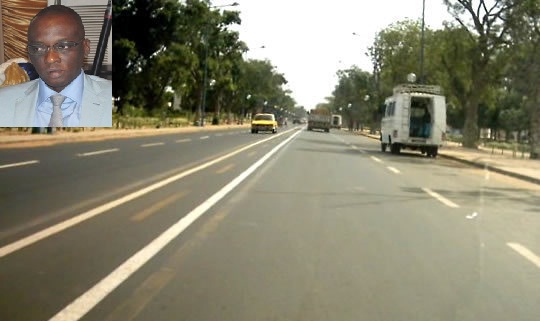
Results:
<point x="183" y="140"/>
<point x="219" y="135"/>
<point x="17" y="245"/>
<point x="525" y="252"/>
<point x="19" y="164"/>
<point x="204" y="137"/>
<point x="378" y="160"/>
<point x="472" y="216"/>
<point x="393" y="169"/>
<point x="152" y="144"/>
<point x="98" y="152"/>
<point x="84" y="303"/>
<point x="440" y="198"/>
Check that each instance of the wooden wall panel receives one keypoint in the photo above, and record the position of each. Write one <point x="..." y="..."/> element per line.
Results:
<point x="16" y="16"/>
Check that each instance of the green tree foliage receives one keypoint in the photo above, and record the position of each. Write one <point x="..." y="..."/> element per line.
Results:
<point x="189" y="47"/>
<point x="353" y="97"/>
<point x="523" y="76"/>
<point x="488" y="26"/>
<point x="398" y="50"/>
<point x="487" y="62"/>
<point x="142" y="29"/>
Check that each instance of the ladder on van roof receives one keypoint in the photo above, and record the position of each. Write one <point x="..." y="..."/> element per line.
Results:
<point x="417" y="88"/>
<point x="405" y="114"/>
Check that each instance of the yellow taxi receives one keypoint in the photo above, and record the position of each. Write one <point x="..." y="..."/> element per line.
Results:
<point x="264" y="122"/>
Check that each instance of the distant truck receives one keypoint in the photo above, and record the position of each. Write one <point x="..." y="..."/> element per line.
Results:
<point x="319" y="119"/>
<point x="414" y="118"/>
<point x="336" y="121"/>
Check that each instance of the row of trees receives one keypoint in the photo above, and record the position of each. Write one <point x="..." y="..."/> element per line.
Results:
<point x="487" y="60"/>
<point x="185" y="50"/>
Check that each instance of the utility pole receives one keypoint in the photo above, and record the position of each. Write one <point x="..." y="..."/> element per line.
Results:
<point x="422" y="80"/>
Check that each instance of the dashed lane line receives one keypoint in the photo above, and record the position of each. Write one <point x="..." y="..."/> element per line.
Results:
<point x="98" y="152"/>
<point x="225" y="169"/>
<point x="393" y="169"/>
<point x="147" y="212"/>
<point x="19" y="164"/>
<point x="152" y="144"/>
<point x="525" y="252"/>
<point x="378" y="160"/>
<point x="440" y="198"/>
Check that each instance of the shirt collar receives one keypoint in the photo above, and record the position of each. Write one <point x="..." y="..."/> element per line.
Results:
<point x="74" y="90"/>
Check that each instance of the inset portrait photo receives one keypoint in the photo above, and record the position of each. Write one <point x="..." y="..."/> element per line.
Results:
<point x="47" y="76"/>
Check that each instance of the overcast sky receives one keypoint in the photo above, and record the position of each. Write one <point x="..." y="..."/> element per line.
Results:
<point x="309" y="40"/>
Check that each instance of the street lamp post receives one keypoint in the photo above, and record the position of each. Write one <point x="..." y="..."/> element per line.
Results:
<point x="202" y="105"/>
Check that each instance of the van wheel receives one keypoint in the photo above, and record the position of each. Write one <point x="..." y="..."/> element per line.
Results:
<point x="383" y="147"/>
<point x="432" y="152"/>
<point x="395" y="148"/>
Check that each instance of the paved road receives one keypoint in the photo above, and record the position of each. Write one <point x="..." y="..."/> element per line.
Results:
<point x="297" y="226"/>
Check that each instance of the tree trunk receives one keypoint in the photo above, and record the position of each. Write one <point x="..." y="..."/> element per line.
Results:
<point x="470" y="130"/>
<point x="534" y="130"/>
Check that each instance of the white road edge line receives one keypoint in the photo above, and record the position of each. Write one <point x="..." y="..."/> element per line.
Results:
<point x="98" y="152"/>
<point x="17" y="245"/>
<point x="525" y="252"/>
<point x="440" y="198"/>
<point x="152" y="144"/>
<point x="84" y="303"/>
<point x="393" y="169"/>
<point x="19" y="164"/>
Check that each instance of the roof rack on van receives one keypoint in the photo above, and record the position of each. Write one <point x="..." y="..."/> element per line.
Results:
<point x="417" y="88"/>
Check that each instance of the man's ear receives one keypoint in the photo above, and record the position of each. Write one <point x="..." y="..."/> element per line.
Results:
<point x="86" y="44"/>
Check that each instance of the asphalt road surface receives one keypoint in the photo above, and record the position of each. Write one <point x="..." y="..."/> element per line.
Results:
<point x="231" y="226"/>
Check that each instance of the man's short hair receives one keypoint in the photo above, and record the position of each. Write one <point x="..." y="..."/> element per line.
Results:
<point x="58" y="9"/>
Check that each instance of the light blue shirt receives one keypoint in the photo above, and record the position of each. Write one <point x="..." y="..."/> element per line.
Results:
<point x="71" y="107"/>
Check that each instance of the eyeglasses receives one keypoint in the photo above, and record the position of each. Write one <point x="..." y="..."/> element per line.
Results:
<point x="61" y="47"/>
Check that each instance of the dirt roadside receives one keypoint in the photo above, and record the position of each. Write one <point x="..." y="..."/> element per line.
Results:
<point x="13" y="139"/>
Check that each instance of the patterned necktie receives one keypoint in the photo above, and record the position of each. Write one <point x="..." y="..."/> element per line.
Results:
<point x="56" y="117"/>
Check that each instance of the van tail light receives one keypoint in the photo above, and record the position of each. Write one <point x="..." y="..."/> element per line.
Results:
<point x="394" y="133"/>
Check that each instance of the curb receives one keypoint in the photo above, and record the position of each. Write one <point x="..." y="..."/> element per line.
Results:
<point x="480" y="165"/>
<point x="493" y="169"/>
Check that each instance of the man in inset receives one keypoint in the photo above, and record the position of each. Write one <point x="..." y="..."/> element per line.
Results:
<point x="63" y="96"/>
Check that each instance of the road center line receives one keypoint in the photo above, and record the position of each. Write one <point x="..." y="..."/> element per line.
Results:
<point x="98" y="152"/>
<point x="17" y="245"/>
<point x="19" y="164"/>
<point x="204" y="137"/>
<point x="525" y="252"/>
<point x="80" y="306"/>
<point x="183" y="140"/>
<point x="440" y="198"/>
